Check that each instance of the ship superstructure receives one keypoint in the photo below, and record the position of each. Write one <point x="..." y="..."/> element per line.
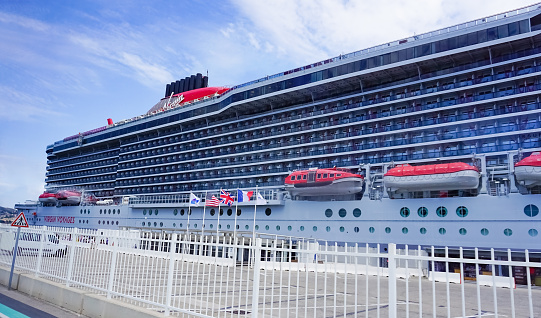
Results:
<point x="468" y="93"/>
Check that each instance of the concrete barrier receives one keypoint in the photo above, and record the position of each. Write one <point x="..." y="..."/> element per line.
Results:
<point x="442" y="277"/>
<point x="78" y="301"/>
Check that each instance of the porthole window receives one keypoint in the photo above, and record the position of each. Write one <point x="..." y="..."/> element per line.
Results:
<point x="238" y="226"/>
<point x="289" y="228"/>
<point x="181" y="211"/>
<point x="149" y="224"/>
<point x="144" y="211"/>
<point x="328" y="213"/>
<point x="302" y="228"/>
<point x="246" y="227"/>
<point x="180" y="225"/>
<point x="229" y="212"/>
<point x="175" y="212"/>
<point x="117" y="212"/>
<point x="156" y="224"/>
<point x="228" y="226"/>
<point x="531" y="210"/>
<point x="328" y="228"/>
<point x="356" y="229"/>
<point x="342" y="213"/>
<point x="107" y="222"/>
<point x="143" y="223"/>
<point x="81" y="211"/>
<point x="342" y="229"/>
<point x="422" y="212"/>
<point x="239" y="212"/>
<point x="442" y="231"/>
<point x="116" y="222"/>
<point x="174" y="225"/>
<point x="405" y="230"/>
<point x="268" y="211"/>
<point x="219" y="226"/>
<point x="404" y="212"/>
<point x="462" y="231"/>
<point x="387" y="230"/>
<point x="267" y="227"/>
<point x="532" y="232"/>
<point x="211" y="225"/>
<point x="149" y="212"/>
<point x="371" y="229"/>
<point x="109" y="211"/>
<point x="314" y="228"/>
<point x="212" y="212"/>
<point x="441" y="211"/>
<point x="257" y="227"/>
<point x="356" y="212"/>
<point x="195" y="225"/>
<point x="422" y="230"/>
<point x="484" y="231"/>
<point x="156" y="212"/>
<point x="114" y="211"/>
<point x="161" y="224"/>
<point x="277" y="227"/>
<point x="462" y="211"/>
<point x="508" y="232"/>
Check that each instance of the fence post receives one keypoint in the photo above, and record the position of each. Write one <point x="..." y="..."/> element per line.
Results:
<point x="42" y="241"/>
<point x="172" y="259"/>
<point x="114" y="248"/>
<point x="257" y="274"/>
<point x="72" y="256"/>
<point x="391" y="250"/>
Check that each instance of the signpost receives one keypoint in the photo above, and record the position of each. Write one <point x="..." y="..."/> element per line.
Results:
<point x="20" y="221"/>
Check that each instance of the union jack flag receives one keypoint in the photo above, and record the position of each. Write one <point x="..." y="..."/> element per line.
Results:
<point x="226" y="198"/>
<point x="213" y="201"/>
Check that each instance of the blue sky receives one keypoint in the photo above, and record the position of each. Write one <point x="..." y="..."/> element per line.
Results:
<point x="67" y="66"/>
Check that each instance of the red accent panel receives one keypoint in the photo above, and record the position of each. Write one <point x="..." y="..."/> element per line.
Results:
<point x="200" y="93"/>
<point x="407" y="170"/>
<point x="533" y="160"/>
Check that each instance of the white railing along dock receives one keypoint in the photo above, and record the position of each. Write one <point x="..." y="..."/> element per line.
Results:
<point x="218" y="275"/>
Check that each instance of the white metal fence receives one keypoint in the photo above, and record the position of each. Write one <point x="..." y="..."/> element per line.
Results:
<point x="217" y="275"/>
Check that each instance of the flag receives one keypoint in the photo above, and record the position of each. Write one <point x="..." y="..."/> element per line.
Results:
<point x="260" y="199"/>
<point x="226" y="198"/>
<point x="194" y="200"/>
<point x="244" y="196"/>
<point x="212" y="201"/>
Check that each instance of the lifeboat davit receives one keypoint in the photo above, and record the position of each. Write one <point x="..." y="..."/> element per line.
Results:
<point x="528" y="170"/>
<point x="447" y="176"/>
<point x="47" y="198"/>
<point x="320" y="182"/>
<point x="68" y="197"/>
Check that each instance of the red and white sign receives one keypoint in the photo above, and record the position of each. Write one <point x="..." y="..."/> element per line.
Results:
<point x="20" y="221"/>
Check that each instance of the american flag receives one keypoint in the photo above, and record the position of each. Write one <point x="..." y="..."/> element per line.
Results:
<point x="226" y="198"/>
<point x="212" y="201"/>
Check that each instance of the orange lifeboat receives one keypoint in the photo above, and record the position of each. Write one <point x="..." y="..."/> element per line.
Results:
<point x="528" y="170"/>
<point x="447" y="176"/>
<point x="321" y="182"/>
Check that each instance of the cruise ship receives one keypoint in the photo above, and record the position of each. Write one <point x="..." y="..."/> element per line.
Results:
<point x="431" y="139"/>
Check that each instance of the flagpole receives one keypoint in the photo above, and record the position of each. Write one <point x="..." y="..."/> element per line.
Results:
<point x="188" y="223"/>
<point x="236" y="210"/>
<point x="204" y="211"/>
<point x="255" y="209"/>
<point x="218" y="225"/>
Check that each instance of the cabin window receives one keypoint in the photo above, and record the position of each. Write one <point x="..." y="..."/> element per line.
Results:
<point x="331" y="175"/>
<point x="324" y="175"/>
<point x="319" y="175"/>
<point x="462" y="231"/>
<point x="304" y="177"/>
<point x="339" y="175"/>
